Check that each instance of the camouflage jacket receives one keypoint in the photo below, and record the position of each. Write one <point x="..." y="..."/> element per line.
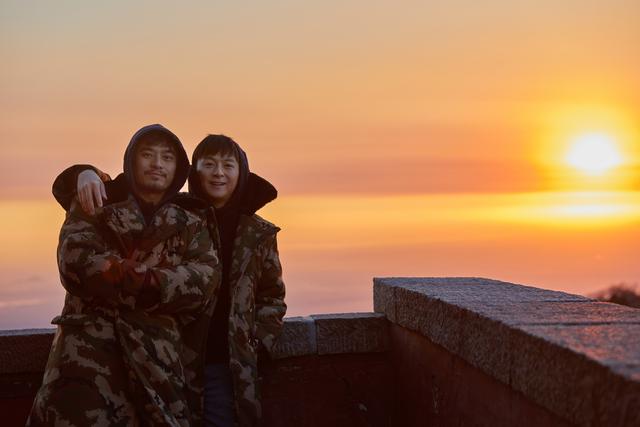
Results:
<point x="119" y="356"/>
<point x="257" y="309"/>
<point x="257" y="306"/>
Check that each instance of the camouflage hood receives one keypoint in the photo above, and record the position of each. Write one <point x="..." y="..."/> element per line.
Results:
<point x="182" y="160"/>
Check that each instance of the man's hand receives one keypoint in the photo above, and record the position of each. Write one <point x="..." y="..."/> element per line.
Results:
<point x="90" y="190"/>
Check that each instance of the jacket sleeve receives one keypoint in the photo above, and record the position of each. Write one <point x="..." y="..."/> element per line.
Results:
<point x="65" y="184"/>
<point x="192" y="285"/>
<point x="92" y="268"/>
<point x="270" y="306"/>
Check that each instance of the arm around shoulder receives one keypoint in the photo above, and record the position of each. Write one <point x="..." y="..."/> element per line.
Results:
<point x="91" y="267"/>
<point x="65" y="185"/>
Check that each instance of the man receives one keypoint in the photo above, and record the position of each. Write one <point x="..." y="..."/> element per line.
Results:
<point x="248" y="316"/>
<point x="140" y="278"/>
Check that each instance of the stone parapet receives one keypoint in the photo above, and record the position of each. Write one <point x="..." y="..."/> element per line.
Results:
<point x="340" y="356"/>
<point x="321" y="334"/>
<point x="578" y="358"/>
<point x="26" y="350"/>
<point x="438" y="351"/>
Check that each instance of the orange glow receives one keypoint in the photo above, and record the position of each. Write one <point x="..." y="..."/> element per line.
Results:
<point x="436" y="138"/>
<point x="29" y="230"/>
<point x="333" y="243"/>
<point x="580" y="210"/>
<point x="601" y="160"/>
<point x="331" y="246"/>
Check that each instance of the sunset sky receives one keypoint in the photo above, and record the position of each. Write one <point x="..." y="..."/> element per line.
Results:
<point x="441" y="138"/>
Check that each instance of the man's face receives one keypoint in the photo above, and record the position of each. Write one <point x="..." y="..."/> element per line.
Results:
<point x="154" y="167"/>
<point x="218" y="175"/>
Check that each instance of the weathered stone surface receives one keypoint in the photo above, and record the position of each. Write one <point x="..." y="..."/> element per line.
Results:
<point x="469" y="289"/>
<point x="437" y="388"/>
<point x="26" y="332"/>
<point x="24" y="350"/>
<point x="23" y="355"/>
<point x="611" y="345"/>
<point x="475" y="338"/>
<point x="558" y="377"/>
<point x="351" y="333"/>
<point x="484" y="352"/>
<point x="552" y="312"/>
<point x="332" y="334"/>
<point x="384" y="299"/>
<point x="334" y="390"/>
<point x="574" y="356"/>
<point x="298" y="338"/>
<point x="457" y="314"/>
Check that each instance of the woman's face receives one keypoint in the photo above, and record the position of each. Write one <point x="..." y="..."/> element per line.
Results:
<point x="218" y="175"/>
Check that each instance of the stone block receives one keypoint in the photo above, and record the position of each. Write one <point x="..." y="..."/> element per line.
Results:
<point x="384" y="299"/>
<point x="431" y="317"/>
<point x="24" y="350"/>
<point x="576" y="357"/>
<point x="298" y="338"/>
<point x="436" y="387"/>
<point x="460" y="290"/>
<point x="611" y="345"/>
<point x="555" y="312"/>
<point x="477" y="339"/>
<point x="588" y="373"/>
<point x="351" y="333"/>
<point x="341" y="390"/>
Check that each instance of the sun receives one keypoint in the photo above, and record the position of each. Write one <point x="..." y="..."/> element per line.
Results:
<point x="594" y="153"/>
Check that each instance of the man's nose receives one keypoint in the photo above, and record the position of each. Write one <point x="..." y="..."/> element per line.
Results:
<point x="156" y="161"/>
<point x="217" y="170"/>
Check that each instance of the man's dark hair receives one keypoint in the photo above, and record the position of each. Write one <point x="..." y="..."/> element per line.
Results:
<point x="155" y="138"/>
<point x="215" y="144"/>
